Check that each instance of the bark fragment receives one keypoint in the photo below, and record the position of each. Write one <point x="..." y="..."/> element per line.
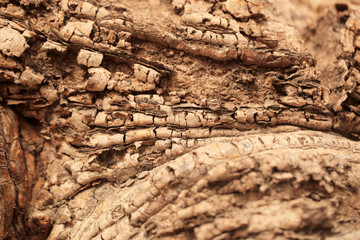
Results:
<point x="12" y="43"/>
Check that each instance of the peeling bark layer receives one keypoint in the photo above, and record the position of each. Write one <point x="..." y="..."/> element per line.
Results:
<point x="182" y="119"/>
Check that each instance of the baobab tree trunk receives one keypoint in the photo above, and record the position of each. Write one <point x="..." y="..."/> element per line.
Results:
<point x="179" y="119"/>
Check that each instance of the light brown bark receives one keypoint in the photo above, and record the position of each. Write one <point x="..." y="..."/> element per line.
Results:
<point x="182" y="119"/>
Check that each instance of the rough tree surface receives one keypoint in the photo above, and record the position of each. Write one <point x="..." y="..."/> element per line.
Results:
<point x="179" y="119"/>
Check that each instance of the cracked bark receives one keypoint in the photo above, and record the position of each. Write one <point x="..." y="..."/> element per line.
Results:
<point x="182" y="119"/>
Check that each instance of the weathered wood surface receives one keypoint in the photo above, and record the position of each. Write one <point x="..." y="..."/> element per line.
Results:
<point x="182" y="119"/>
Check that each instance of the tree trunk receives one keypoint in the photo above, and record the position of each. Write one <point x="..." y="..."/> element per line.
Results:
<point x="179" y="119"/>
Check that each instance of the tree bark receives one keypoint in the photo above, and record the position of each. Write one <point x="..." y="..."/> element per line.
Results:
<point x="179" y="119"/>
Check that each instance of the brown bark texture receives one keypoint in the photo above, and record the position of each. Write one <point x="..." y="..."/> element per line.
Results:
<point x="179" y="119"/>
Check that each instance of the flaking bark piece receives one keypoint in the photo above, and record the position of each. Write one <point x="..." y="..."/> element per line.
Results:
<point x="12" y="43"/>
<point x="239" y="9"/>
<point x="30" y="78"/>
<point x="89" y="58"/>
<point x="98" y="79"/>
